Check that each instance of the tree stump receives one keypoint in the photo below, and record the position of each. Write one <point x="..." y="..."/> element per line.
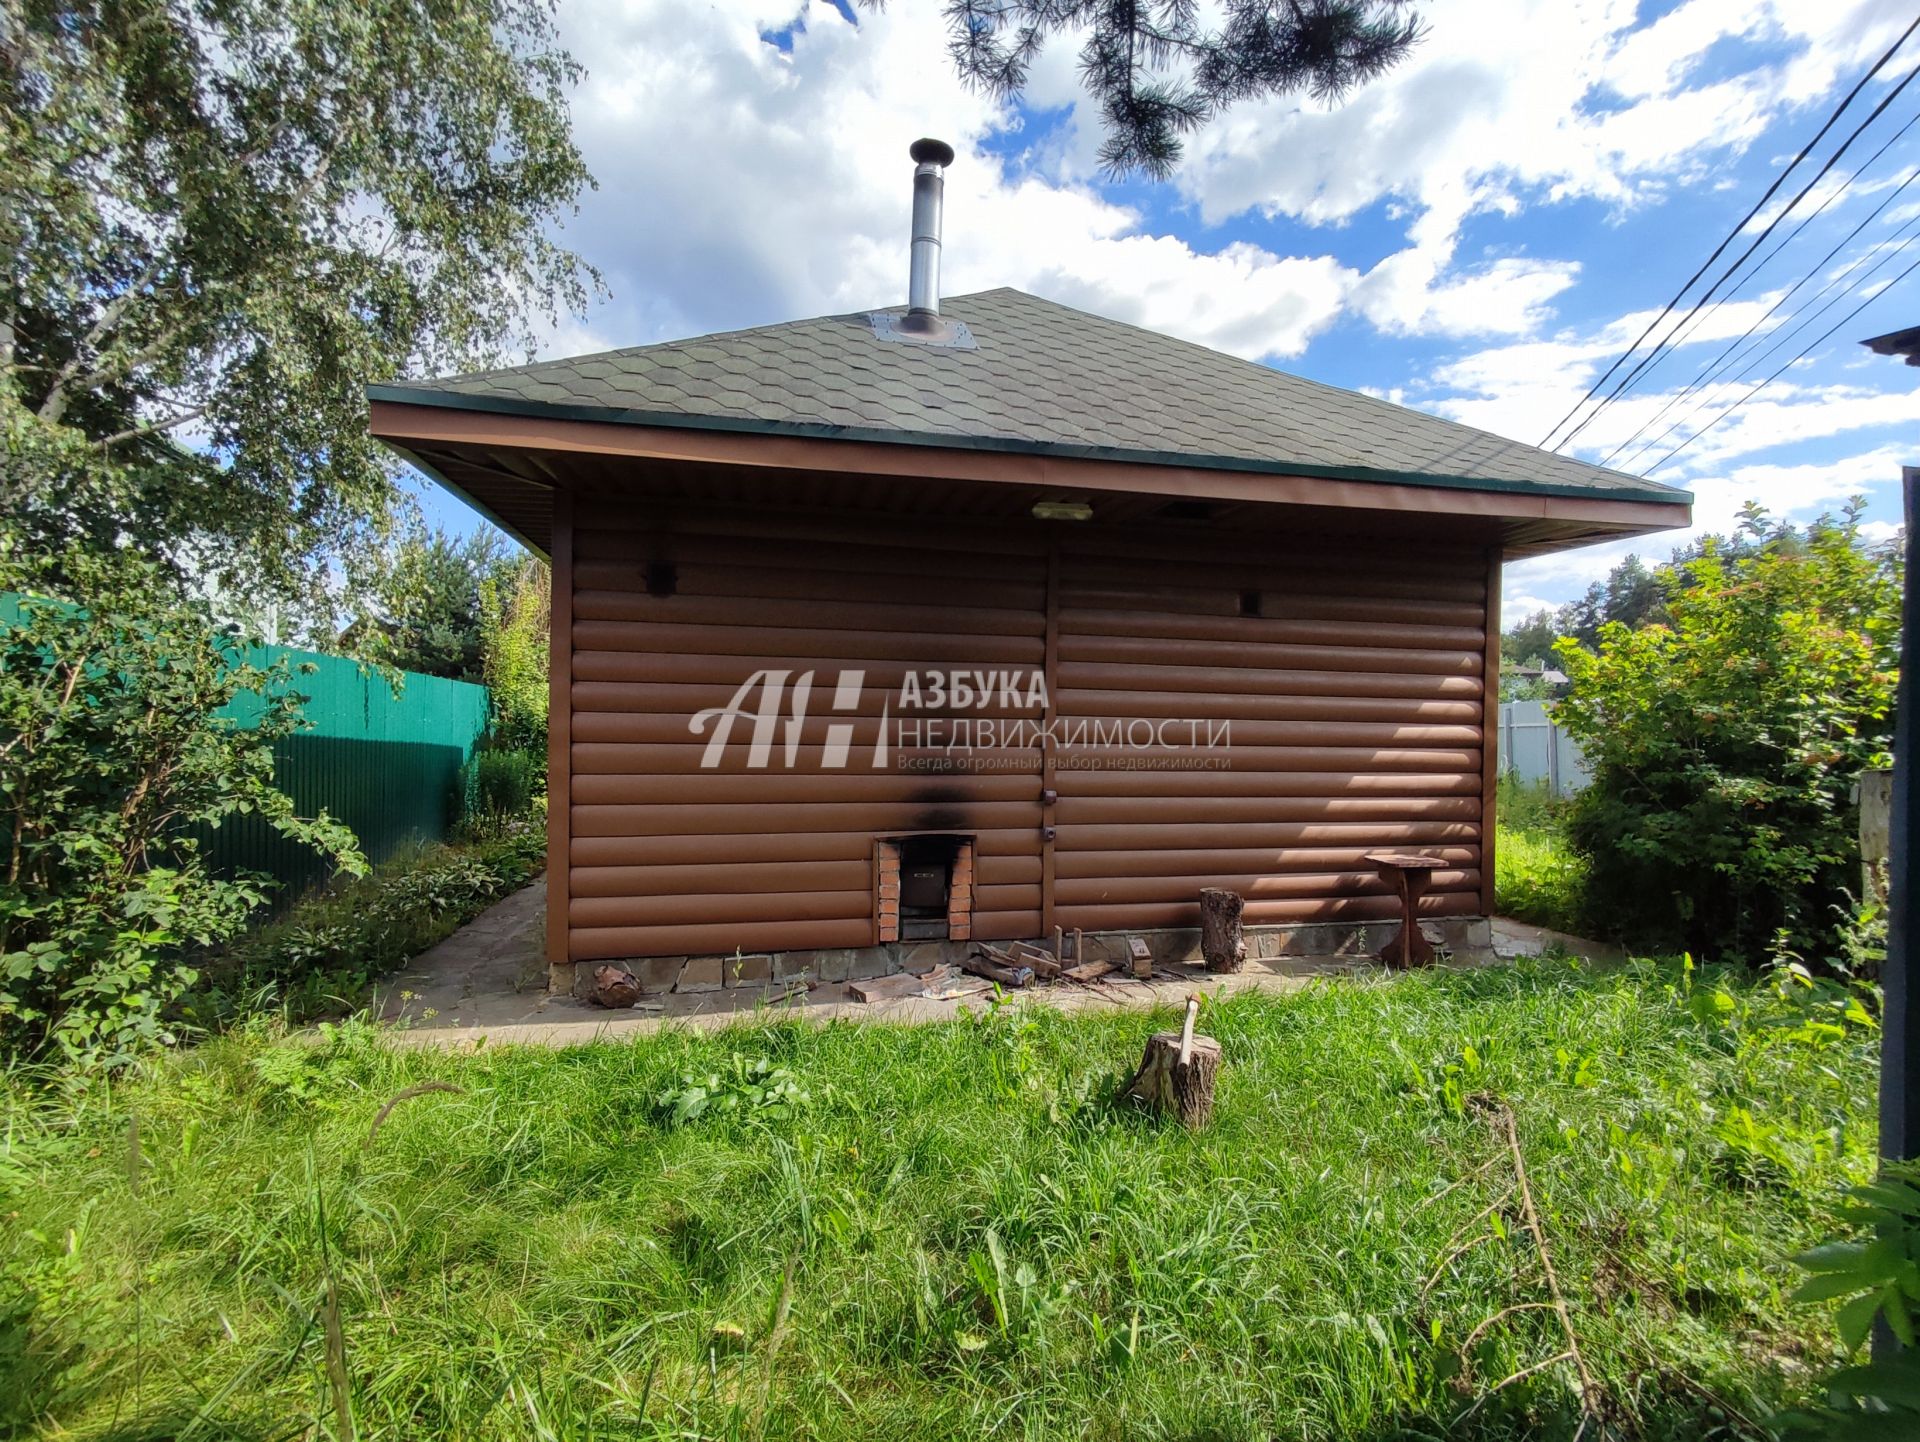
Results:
<point x="1177" y="1072"/>
<point x="1221" y="941"/>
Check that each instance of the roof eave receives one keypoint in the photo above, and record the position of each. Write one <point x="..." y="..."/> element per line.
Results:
<point x="747" y="426"/>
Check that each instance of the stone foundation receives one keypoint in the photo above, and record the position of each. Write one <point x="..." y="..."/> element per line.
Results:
<point x="780" y="970"/>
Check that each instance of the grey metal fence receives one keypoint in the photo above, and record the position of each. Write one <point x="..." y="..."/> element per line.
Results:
<point x="1534" y="750"/>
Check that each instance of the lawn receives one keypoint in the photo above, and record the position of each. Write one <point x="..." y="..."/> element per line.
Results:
<point x="946" y="1231"/>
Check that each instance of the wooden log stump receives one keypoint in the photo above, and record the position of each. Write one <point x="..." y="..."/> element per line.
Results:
<point x="1177" y="1072"/>
<point x="1222" y="942"/>
<point x="980" y="964"/>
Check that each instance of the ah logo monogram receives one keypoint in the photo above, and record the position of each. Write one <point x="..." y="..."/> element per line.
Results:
<point x="767" y="720"/>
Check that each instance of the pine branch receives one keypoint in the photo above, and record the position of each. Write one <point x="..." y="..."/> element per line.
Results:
<point x="1158" y="73"/>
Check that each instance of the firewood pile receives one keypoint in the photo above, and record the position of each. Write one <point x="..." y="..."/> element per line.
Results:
<point x="1020" y="963"/>
<point x="1015" y="966"/>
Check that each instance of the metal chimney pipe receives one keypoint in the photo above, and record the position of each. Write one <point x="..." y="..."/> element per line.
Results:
<point x="930" y="160"/>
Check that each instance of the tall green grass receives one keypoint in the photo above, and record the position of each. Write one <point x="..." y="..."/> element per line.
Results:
<point x="857" y="1230"/>
<point x="1537" y="876"/>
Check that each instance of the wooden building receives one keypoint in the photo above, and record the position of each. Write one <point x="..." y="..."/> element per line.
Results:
<point x="974" y="619"/>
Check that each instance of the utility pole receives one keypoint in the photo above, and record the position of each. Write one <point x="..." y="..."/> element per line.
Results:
<point x="1900" y="1023"/>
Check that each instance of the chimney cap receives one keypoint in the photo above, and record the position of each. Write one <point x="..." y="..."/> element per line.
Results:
<point x="935" y="152"/>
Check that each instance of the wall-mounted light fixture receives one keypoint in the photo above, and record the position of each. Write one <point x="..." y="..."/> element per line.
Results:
<point x="1062" y="511"/>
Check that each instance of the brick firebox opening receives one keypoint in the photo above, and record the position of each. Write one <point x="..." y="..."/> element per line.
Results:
<point x="923" y="888"/>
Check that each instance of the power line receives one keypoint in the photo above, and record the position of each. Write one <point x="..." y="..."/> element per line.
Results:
<point x="1779" y="180"/>
<point x="1759" y="386"/>
<point x="1696" y="320"/>
<point x="1712" y="369"/>
<point x="1760" y="351"/>
<point x="1664" y="344"/>
<point x="1758" y="355"/>
<point x="1808" y="314"/>
<point x="1727" y="359"/>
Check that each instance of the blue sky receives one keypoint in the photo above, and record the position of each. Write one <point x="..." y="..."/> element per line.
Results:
<point x="1479" y="234"/>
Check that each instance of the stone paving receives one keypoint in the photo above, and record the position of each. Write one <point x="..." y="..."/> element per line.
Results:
<point x="491" y="969"/>
<point x="486" y="983"/>
<point x="1516" y="938"/>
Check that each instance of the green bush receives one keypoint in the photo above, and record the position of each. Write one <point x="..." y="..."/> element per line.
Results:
<point x="336" y="942"/>
<point x="499" y="787"/>
<point x="1724" y="748"/>
<point x="1877" y="1273"/>
<point x="112" y="747"/>
<point x="513" y="643"/>
<point x="1530" y="805"/>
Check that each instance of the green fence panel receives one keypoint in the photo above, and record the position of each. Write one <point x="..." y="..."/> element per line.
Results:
<point x="386" y="765"/>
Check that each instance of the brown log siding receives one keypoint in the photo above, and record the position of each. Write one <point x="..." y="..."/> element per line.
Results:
<point x="1351" y="680"/>
<point x="1354" y="697"/>
<point x="670" y="857"/>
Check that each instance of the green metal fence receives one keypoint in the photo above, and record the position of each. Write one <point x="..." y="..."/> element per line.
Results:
<point x="388" y="766"/>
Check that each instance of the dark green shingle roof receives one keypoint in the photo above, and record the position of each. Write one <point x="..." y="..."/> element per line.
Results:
<point x="1042" y="377"/>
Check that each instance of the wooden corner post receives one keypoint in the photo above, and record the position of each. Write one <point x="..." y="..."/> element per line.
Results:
<point x="1490" y="733"/>
<point x="560" y="746"/>
<point x="1049" y="771"/>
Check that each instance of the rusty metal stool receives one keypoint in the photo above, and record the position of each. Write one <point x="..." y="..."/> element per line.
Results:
<point x="1409" y="874"/>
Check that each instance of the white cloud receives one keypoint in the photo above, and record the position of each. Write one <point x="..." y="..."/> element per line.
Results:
<point x="1406" y="293"/>
<point x="741" y="184"/>
<point x="1523" y="389"/>
<point x="1509" y="101"/>
<point x="1657" y="59"/>
<point x="1797" y="492"/>
<point x="1516" y="606"/>
<point x="1824" y="193"/>
<point x="1879" y="532"/>
<point x="1784" y="415"/>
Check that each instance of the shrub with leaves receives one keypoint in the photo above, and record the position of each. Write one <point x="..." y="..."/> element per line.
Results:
<point x="119" y="733"/>
<point x="1876" y="1278"/>
<point x="1537" y="875"/>
<point x="499" y="787"/>
<point x="1725" y="747"/>
<point x="1539" y="878"/>
<point x="513" y="644"/>
<point x="336" y="942"/>
<point x="756" y="1089"/>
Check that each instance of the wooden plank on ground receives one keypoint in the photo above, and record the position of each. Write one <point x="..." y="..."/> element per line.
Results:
<point x="887" y="988"/>
<point x="1088" y="971"/>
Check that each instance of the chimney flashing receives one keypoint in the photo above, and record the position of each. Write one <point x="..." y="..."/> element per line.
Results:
<point x="906" y="328"/>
